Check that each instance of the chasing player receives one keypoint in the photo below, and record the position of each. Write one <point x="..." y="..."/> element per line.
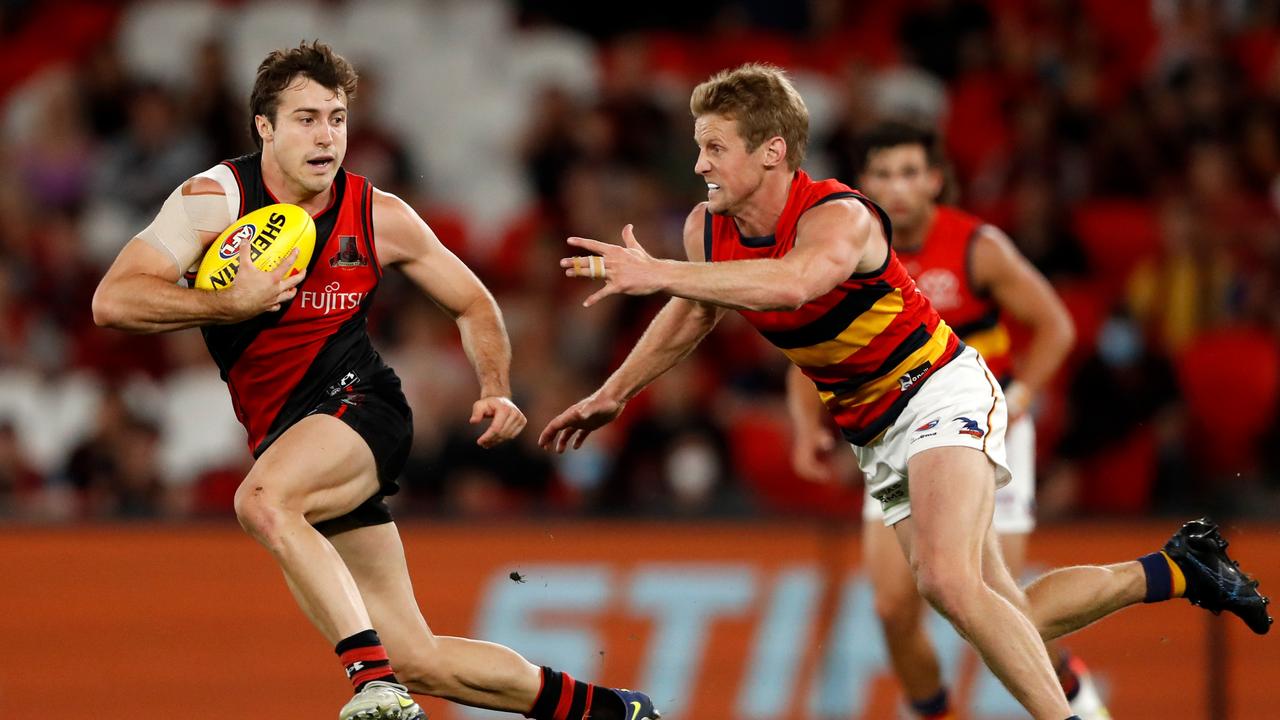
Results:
<point x="809" y="263"/>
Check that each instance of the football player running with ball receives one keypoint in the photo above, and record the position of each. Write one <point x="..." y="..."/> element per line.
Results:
<point x="327" y="421"/>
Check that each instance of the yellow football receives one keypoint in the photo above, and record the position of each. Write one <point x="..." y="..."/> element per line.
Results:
<point x="272" y="233"/>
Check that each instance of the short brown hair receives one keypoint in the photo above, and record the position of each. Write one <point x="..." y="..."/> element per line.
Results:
<point x="763" y="101"/>
<point x="314" y="60"/>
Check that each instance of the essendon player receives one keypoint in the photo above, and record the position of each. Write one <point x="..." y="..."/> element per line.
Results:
<point x="971" y="273"/>
<point x="809" y="264"/>
<point x="325" y="416"/>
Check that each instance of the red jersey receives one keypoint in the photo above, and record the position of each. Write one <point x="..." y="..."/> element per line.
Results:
<point x="277" y="365"/>
<point x="869" y="343"/>
<point x="941" y="268"/>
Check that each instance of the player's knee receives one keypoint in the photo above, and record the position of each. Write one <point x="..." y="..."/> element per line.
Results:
<point x="949" y="588"/>
<point x="259" y="514"/>
<point x="898" y="609"/>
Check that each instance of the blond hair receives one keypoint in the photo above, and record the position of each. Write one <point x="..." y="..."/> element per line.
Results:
<point x="763" y="101"/>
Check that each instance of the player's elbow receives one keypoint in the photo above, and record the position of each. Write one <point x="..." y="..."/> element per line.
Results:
<point x="790" y="297"/>
<point x="109" y="310"/>
<point x="1061" y="330"/>
<point x="1066" y="330"/>
<point x="106" y="307"/>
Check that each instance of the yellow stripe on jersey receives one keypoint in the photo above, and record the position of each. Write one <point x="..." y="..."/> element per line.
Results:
<point x="875" y="389"/>
<point x="991" y="342"/>
<point x="858" y="335"/>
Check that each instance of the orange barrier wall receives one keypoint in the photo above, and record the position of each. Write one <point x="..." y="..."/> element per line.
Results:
<point x="720" y="621"/>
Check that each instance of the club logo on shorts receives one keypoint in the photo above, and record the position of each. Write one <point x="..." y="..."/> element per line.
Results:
<point x="970" y="427"/>
<point x="928" y="426"/>
<point x="231" y="245"/>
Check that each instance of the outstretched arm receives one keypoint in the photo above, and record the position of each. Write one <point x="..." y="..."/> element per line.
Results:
<point x="670" y="337"/>
<point x="406" y="241"/>
<point x="140" y="293"/>
<point x="832" y="242"/>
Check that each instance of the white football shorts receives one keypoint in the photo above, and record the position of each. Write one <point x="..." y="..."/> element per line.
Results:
<point x="959" y="405"/>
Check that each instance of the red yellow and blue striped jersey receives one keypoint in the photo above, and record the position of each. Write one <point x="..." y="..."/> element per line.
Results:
<point x="941" y="268"/>
<point x="869" y="343"/>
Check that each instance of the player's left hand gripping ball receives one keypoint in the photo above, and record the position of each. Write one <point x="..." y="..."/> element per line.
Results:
<point x="272" y="233"/>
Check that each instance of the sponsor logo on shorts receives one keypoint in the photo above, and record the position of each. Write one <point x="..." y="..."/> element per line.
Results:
<point x="970" y="427"/>
<point x="913" y="376"/>
<point x="928" y="426"/>
<point x="231" y="245"/>
<point x="892" y="495"/>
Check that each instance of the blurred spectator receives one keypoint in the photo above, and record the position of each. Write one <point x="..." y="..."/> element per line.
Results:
<point x="676" y="456"/>
<point x="115" y="468"/>
<point x="137" y="170"/>
<point x="19" y="481"/>
<point x="1191" y="285"/>
<point x="374" y="149"/>
<point x="218" y="111"/>
<point x="104" y="88"/>
<point x="56" y="159"/>
<point x="1118" y="418"/>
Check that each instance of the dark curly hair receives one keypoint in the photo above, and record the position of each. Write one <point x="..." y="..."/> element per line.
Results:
<point x="314" y="60"/>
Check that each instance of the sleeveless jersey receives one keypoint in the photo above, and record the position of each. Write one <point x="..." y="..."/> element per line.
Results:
<point x="942" y="271"/>
<point x="869" y="343"/>
<point x="278" y="365"/>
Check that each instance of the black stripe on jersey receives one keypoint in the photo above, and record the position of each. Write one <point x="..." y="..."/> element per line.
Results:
<point x="835" y="196"/>
<point x="235" y="172"/>
<point x="875" y="427"/>
<point x="909" y="344"/>
<point x="248" y="172"/>
<point x="835" y="321"/>
<point x="986" y="322"/>
<point x="366" y="217"/>
<point x="879" y="211"/>
<point x="760" y="241"/>
<point x="707" y="237"/>
<point x="227" y="343"/>
<point x="346" y="350"/>
<point x="328" y="219"/>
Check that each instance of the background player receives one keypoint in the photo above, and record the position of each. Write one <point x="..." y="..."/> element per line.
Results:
<point x="971" y="273"/>
<point x="810" y="265"/>
<point x="326" y="419"/>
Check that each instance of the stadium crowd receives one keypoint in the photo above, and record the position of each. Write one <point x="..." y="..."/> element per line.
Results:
<point x="1132" y="150"/>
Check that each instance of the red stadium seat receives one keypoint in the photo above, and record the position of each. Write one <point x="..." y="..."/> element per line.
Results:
<point x="1230" y="379"/>
<point x="1116" y="234"/>
<point x="1089" y="305"/>
<point x="761" y="448"/>
<point x="1120" y="479"/>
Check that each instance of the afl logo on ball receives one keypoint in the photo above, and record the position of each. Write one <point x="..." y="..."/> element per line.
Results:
<point x="232" y="244"/>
